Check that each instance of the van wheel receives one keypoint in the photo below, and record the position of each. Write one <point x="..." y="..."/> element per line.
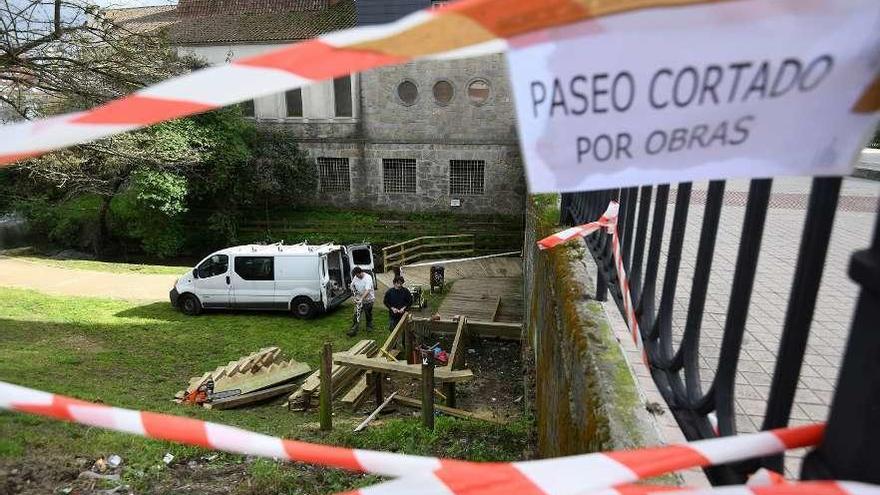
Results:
<point x="189" y="304"/>
<point x="303" y="307"/>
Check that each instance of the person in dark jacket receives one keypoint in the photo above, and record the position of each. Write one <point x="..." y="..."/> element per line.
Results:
<point x="397" y="299"/>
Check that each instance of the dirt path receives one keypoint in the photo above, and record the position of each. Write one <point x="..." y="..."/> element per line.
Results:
<point x="88" y="283"/>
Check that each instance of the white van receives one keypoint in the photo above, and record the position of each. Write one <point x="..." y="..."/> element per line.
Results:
<point x="305" y="280"/>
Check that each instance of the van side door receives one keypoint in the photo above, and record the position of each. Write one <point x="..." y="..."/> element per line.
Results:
<point x="297" y="276"/>
<point x="212" y="286"/>
<point x="253" y="282"/>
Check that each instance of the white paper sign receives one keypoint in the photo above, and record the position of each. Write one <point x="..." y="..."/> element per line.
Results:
<point x="731" y="89"/>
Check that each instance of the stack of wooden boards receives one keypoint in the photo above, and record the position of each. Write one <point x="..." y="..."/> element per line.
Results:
<point x="257" y="377"/>
<point x="349" y="384"/>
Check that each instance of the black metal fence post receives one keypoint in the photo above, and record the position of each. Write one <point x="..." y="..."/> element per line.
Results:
<point x="849" y="449"/>
<point x="853" y="431"/>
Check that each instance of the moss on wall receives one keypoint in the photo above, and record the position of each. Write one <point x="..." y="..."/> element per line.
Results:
<point x="586" y="398"/>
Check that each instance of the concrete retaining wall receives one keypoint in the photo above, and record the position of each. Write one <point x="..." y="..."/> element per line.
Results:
<point x="586" y="398"/>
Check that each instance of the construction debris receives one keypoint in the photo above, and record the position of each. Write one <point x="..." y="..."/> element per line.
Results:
<point x="252" y="397"/>
<point x="253" y="378"/>
<point x="375" y="413"/>
<point x="341" y="378"/>
<point x="450" y="411"/>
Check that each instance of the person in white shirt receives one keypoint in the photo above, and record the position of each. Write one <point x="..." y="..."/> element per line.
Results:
<point x="364" y="294"/>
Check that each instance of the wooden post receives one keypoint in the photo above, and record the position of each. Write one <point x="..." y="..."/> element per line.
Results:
<point x="428" y="390"/>
<point x="325" y="412"/>
<point x="377" y="387"/>
<point x="449" y="391"/>
<point x="408" y="343"/>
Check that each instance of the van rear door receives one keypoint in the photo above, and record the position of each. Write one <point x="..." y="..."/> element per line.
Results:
<point x="361" y="255"/>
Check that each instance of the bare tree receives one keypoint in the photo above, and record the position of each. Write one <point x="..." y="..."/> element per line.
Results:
<point x="62" y="55"/>
<point x="65" y="55"/>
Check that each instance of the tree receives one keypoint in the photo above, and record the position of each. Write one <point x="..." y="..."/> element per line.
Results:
<point x="61" y="55"/>
<point x="65" y="55"/>
<point x="155" y="163"/>
<point x="232" y="190"/>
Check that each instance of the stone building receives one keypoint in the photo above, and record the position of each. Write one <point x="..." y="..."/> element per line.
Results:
<point x="424" y="136"/>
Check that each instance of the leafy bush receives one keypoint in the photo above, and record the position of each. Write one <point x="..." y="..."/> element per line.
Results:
<point x="70" y="224"/>
<point x="231" y="189"/>
<point x="148" y="213"/>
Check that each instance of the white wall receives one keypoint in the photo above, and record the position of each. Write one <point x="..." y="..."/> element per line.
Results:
<point x="318" y="101"/>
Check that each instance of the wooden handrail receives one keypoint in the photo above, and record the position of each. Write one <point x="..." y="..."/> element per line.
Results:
<point x="403" y="252"/>
<point x="427" y="237"/>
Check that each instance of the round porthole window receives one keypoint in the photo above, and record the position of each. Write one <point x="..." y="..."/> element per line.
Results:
<point x="443" y="92"/>
<point x="408" y="92"/>
<point x="478" y="91"/>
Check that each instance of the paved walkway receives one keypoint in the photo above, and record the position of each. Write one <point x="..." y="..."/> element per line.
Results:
<point x="74" y="282"/>
<point x="853" y="227"/>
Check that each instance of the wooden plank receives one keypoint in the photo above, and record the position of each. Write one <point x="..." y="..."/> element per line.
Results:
<point x="253" y="397"/>
<point x="375" y="413"/>
<point x="325" y="411"/>
<point x="478" y="328"/>
<point x="497" y="309"/>
<point x="451" y="411"/>
<point x="341" y="377"/>
<point x="456" y="353"/>
<point x="314" y="381"/>
<point x="497" y="329"/>
<point x="400" y="368"/>
<point x="265" y="377"/>
<point x="358" y="391"/>
<point x="392" y="338"/>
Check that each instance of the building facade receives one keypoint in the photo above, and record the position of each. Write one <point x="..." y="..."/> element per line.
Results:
<point x="423" y="136"/>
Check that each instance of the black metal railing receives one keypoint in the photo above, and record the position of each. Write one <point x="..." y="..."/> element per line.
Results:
<point x="853" y="432"/>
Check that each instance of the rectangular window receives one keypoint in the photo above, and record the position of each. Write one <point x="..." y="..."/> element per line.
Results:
<point x="466" y="177"/>
<point x="399" y="175"/>
<point x="342" y="96"/>
<point x="333" y="175"/>
<point x="247" y="108"/>
<point x="294" y="101"/>
<point x="255" y="267"/>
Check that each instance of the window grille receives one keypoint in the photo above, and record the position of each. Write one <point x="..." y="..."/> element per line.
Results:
<point x="466" y="177"/>
<point x="399" y="175"/>
<point x="334" y="175"/>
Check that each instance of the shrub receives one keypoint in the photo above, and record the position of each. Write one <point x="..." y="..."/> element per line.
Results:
<point x="70" y="224"/>
<point x="148" y="212"/>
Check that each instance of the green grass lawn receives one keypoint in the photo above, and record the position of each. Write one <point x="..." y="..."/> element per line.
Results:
<point x="137" y="356"/>
<point x="100" y="266"/>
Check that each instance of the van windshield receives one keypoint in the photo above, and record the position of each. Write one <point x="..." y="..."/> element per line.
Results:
<point x="217" y="264"/>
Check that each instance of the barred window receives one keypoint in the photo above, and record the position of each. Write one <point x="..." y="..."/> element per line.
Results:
<point x="333" y="175"/>
<point x="399" y="175"/>
<point x="466" y="177"/>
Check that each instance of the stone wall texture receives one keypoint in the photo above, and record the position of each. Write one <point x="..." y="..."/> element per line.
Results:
<point x="429" y="132"/>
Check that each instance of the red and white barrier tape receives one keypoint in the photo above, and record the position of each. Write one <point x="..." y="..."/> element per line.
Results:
<point x="608" y="222"/>
<point x="465" y="28"/>
<point x="565" y="475"/>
